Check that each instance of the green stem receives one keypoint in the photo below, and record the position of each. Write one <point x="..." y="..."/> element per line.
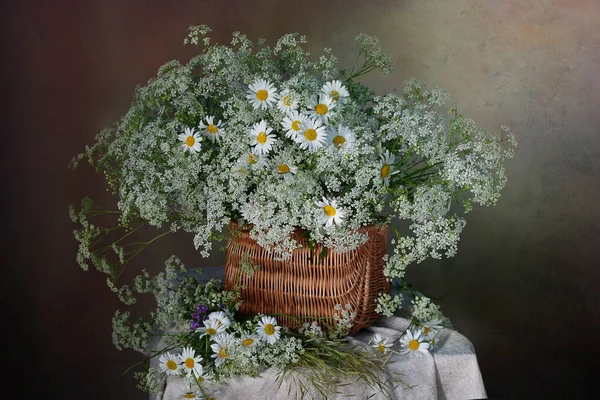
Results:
<point x="130" y="232"/>
<point x="138" y="252"/>
<point x="354" y="65"/>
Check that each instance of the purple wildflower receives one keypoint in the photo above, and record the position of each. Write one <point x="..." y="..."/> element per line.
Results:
<point x="199" y="316"/>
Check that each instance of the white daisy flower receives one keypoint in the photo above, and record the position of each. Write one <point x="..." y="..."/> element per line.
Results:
<point x="211" y="328"/>
<point x="255" y="161"/>
<point x="386" y="168"/>
<point x="190" y="362"/>
<point x="221" y="317"/>
<point x="380" y="343"/>
<point x="262" y="94"/>
<point x="268" y="330"/>
<point x="433" y="341"/>
<point x="292" y="123"/>
<point x="191" y="140"/>
<point x="414" y="343"/>
<point x="312" y="135"/>
<point x="221" y="347"/>
<point x="249" y="340"/>
<point x="321" y="108"/>
<point x="193" y="393"/>
<point x="284" y="168"/>
<point x="342" y="137"/>
<point x="201" y="379"/>
<point x="262" y="138"/>
<point x="211" y="130"/>
<point x="286" y="102"/>
<point x="169" y="363"/>
<point x="331" y="212"/>
<point x="432" y="328"/>
<point x="336" y="91"/>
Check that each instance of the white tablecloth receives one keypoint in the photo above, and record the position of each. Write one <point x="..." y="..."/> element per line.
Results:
<point x="450" y="372"/>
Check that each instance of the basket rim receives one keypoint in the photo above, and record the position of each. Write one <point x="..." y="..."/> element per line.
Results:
<point x="246" y="228"/>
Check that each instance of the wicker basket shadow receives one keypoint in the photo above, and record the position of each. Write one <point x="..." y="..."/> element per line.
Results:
<point x="307" y="287"/>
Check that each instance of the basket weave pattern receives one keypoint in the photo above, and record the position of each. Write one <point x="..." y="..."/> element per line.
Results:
<point x="304" y="288"/>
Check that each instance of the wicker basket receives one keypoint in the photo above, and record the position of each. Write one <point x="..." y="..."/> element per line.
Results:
<point x="302" y="288"/>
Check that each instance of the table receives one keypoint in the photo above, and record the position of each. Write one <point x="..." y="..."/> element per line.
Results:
<point x="451" y="372"/>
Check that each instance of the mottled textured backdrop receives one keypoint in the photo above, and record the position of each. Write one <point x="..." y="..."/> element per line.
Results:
<point x="524" y="285"/>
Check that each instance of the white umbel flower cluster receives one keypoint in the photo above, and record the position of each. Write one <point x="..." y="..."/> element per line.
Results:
<point x="272" y="140"/>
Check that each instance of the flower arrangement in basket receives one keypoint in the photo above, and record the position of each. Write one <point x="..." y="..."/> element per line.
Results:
<point x="302" y="170"/>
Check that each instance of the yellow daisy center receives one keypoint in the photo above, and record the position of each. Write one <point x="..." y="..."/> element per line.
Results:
<point x="296" y="125"/>
<point x="212" y="129"/>
<point x="339" y="141"/>
<point x="223" y="352"/>
<point x="426" y="330"/>
<point x="262" y="95"/>
<point x="261" y="138"/>
<point x="321" y="109"/>
<point x="334" y="95"/>
<point x="284" y="168"/>
<point x="189" y="396"/>
<point x="189" y="362"/>
<point x="329" y="210"/>
<point x="211" y="331"/>
<point x="251" y="159"/>
<point x="269" y="329"/>
<point x="286" y="101"/>
<point x="413" y="345"/>
<point x="310" y="134"/>
<point x="172" y="365"/>
<point x="200" y="379"/>
<point x="190" y="141"/>
<point x="385" y="171"/>
<point x="247" y="342"/>
<point x="381" y="347"/>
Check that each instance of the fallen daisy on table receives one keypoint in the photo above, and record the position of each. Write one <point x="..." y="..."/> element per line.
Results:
<point x="432" y="328"/>
<point x="414" y="343"/>
<point x="201" y="379"/>
<point x="192" y="394"/>
<point x="380" y="343"/>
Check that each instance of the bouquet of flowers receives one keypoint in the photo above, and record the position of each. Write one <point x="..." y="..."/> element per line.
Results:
<point x="275" y="141"/>
<point x="205" y="342"/>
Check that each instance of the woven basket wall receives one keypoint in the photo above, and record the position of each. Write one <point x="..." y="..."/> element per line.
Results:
<point x="306" y="288"/>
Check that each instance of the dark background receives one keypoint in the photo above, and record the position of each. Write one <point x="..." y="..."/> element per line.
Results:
<point x="524" y="285"/>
